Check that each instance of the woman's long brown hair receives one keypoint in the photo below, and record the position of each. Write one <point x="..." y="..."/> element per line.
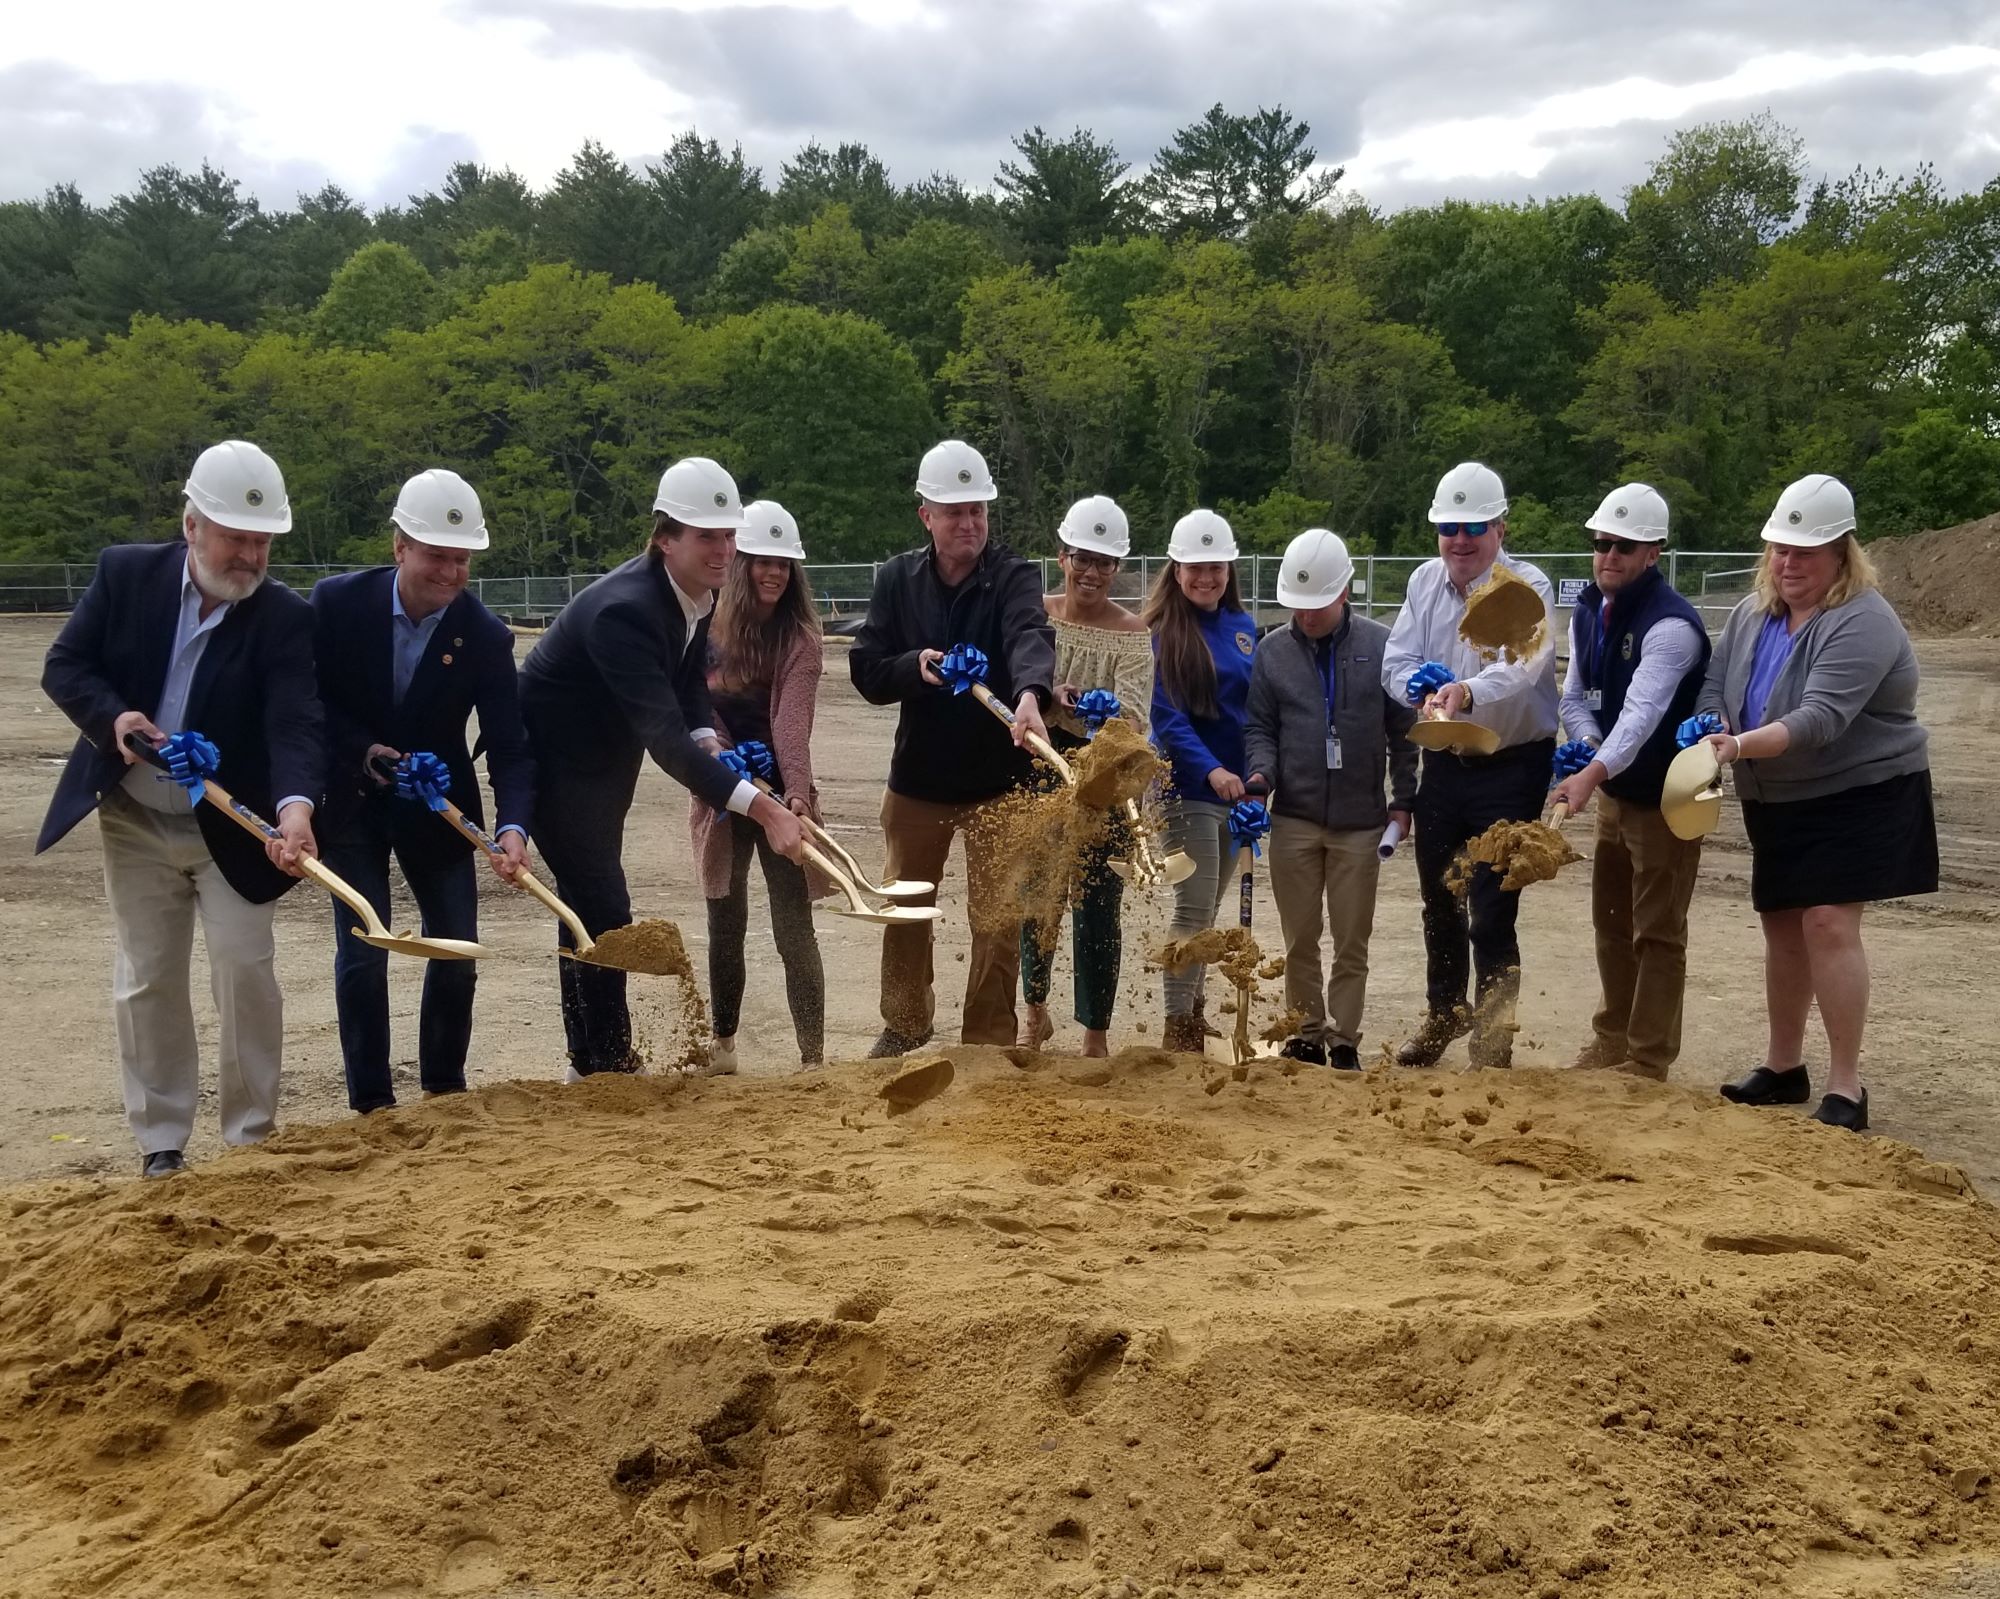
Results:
<point x="748" y="651"/>
<point x="1187" y="670"/>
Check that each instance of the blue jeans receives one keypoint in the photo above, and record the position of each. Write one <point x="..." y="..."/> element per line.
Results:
<point x="447" y="893"/>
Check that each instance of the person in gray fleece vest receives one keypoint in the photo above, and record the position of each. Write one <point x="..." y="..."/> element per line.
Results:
<point x="1814" y="689"/>
<point x="1324" y="733"/>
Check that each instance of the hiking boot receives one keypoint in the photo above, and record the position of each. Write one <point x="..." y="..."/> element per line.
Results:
<point x="1309" y="1050"/>
<point x="1183" y="1036"/>
<point x="894" y="1043"/>
<point x="1208" y="1028"/>
<point x="1431" y="1040"/>
<point x="1639" y="1068"/>
<point x="1036" y="1029"/>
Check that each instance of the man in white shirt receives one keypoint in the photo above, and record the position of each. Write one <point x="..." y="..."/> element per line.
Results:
<point x="1637" y="655"/>
<point x="1461" y="795"/>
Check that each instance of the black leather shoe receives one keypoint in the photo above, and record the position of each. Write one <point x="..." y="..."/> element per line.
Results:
<point x="1762" y="1086"/>
<point x="1431" y="1040"/>
<point x="1309" y="1050"/>
<point x="1837" y="1110"/>
<point x="1344" y="1058"/>
<point x="894" y="1043"/>
<point x="162" y="1163"/>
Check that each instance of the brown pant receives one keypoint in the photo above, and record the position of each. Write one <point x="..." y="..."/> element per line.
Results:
<point x="918" y="837"/>
<point x="1641" y="881"/>
<point x="1310" y="863"/>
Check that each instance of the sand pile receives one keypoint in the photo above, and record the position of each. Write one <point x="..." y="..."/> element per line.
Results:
<point x="1521" y="852"/>
<point x="1504" y="617"/>
<point x="1946" y="581"/>
<point x="1050" y="1331"/>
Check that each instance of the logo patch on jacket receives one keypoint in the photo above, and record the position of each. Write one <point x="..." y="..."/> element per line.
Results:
<point x="1247" y="643"/>
<point x="1625" y="652"/>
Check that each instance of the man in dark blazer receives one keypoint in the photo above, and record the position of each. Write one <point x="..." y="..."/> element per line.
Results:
<point x="622" y="674"/>
<point x="405" y="655"/>
<point x="189" y="635"/>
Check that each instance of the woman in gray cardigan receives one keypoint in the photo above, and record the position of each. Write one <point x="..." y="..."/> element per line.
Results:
<point x="1815" y="684"/>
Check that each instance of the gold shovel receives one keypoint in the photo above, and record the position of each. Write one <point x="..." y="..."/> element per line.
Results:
<point x="586" y="947"/>
<point x="371" y="931"/>
<point x="900" y="889"/>
<point x="1691" y="801"/>
<point x="1437" y="731"/>
<point x="857" y="907"/>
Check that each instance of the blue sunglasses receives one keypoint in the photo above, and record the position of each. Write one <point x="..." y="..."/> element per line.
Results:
<point x="1471" y="530"/>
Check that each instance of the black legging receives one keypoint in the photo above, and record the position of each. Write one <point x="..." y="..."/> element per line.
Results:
<point x="791" y="923"/>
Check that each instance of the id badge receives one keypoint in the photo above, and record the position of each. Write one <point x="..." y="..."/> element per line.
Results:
<point x="1333" y="752"/>
<point x="1594" y="698"/>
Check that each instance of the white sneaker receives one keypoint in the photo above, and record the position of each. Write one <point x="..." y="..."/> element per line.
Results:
<point x="572" y="1075"/>
<point x="721" y="1058"/>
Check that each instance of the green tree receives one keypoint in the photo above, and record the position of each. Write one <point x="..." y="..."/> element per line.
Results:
<point x="751" y="273"/>
<point x="597" y="216"/>
<point x="1219" y="175"/>
<point x="1933" y="472"/>
<point x="304" y="248"/>
<point x="829" y="415"/>
<point x="381" y="289"/>
<point x="849" y="175"/>
<point x="1184" y="343"/>
<point x="1105" y="280"/>
<point x="920" y="279"/>
<point x="826" y="264"/>
<point x="174" y="247"/>
<point x="703" y="203"/>
<point x="1064" y="192"/>
<point x="1720" y="193"/>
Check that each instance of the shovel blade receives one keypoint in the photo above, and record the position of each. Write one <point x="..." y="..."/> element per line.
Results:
<point x="888" y="913"/>
<point x="1178" y="867"/>
<point x="1122" y="868"/>
<point x="430" y="949"/>
<point x="915" y="888"/>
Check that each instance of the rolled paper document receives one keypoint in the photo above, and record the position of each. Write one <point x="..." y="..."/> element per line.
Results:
<point x="1392" y="835"/>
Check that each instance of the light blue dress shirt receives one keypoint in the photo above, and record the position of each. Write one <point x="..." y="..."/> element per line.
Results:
<point x="408" y="639"/>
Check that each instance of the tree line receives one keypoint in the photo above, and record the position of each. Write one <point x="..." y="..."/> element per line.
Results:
<point x="1228" y="327"/>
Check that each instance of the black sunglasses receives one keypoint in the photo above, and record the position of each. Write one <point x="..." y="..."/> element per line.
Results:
<point x="1091" y="562"/>
<point x="1622" y="546"/>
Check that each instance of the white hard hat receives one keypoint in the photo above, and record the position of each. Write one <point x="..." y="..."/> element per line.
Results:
<point x="1813" y="511"/>
<point x="697" y="492"/>
<point x="439" y="507"/>
<point x="1201" y="536"/>
<point x="954" y="472"/>
<point x="1632" y="511"/>
<point x="1469" y="492"/>
<point x="769" y="529"/>
<point x="237" y="485"/>
<point x="1316" y="570"/>
<point x="1096" y="523"/>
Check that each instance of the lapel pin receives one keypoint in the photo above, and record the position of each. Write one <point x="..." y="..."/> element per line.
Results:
<point x="447" y="659"/>
<point x="458" y="643"/>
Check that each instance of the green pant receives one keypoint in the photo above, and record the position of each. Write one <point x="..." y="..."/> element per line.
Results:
<point x="1095" y="899"/>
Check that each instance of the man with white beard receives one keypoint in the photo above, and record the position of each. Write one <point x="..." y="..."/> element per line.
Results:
<point x="170" y="639"/>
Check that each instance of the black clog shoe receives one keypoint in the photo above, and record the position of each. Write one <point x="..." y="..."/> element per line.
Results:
<point x="1762" y="1086"/>
<point x="1837" y="1110"/>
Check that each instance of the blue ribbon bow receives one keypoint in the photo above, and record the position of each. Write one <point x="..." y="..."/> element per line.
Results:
<point x="962" y="666"/>
<point x="191" y="758"/>
<point x="737" y="762"/>
<point x="1571" y="758"/>
<point x="423" y="776"/>
<point x="1249" y="821"/>
<point x="1428" y="679"/>
<point x="1697" y="728"/>
<point x="1095" y="707"/>
<point x="757" y="755"/>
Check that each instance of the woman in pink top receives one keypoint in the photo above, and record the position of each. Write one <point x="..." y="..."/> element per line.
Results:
<point x="763" y="677"/>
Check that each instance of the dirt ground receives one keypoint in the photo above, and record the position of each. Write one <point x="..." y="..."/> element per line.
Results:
<point x="987" y="1327"/>
<point x="1928" y="1055"/>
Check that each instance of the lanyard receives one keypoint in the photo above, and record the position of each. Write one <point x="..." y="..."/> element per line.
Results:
<point x="1329" y="680"/>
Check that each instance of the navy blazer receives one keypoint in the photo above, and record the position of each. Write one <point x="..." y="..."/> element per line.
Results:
<point x="467" y="666"/>
<point x="253" y="695"/>
<point x="611" y="681"/>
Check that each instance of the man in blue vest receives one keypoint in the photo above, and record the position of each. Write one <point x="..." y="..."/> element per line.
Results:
<point x="1637" y="653"/>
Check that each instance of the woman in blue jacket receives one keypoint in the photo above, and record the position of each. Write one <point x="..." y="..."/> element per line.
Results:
<point x="1203" y="641"/>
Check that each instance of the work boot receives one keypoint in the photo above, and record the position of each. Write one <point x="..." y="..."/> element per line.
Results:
<point x="1036" y="1029"/>
<point x="894" y="1043"/>
<point x="1639" y="1068"/>
<point x="1208" y="1028"/>
<point x="1183" y="1035"/>
<point x="1309" y="1050"/>
<point x="1431" y="1040"/>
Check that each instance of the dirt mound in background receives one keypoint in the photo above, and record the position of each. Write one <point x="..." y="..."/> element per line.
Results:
<point x="1395" y="1332"/>
<point x="1945" y="582"/>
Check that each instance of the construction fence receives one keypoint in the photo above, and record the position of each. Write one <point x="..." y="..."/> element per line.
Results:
<point x="1713" y="579"/>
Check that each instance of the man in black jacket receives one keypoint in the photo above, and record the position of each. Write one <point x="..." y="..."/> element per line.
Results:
<point x="168" y="638"/>
<point x="405" y="655"/>
<point x="952" y="755"/>
<point x="622" y="674"/>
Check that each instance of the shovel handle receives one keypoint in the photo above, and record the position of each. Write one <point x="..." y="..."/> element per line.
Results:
<point x="1041" y="746"/>
<point x="524" y="879"/>
<point x="1559" y="812"/>
<point x="813" y="830"/>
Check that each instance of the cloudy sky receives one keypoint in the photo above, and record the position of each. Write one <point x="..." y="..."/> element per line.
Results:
<point x="1473" y="98"/>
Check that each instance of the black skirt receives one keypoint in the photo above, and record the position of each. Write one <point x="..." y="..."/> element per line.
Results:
<point x="1874" y="842"/>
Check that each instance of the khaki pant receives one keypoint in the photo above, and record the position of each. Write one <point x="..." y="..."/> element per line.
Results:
<point x="917" y="835"/>
<point x="1311" y="865"/>
<point x="158" y="876"/>
<point x="1641" y="881"/>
